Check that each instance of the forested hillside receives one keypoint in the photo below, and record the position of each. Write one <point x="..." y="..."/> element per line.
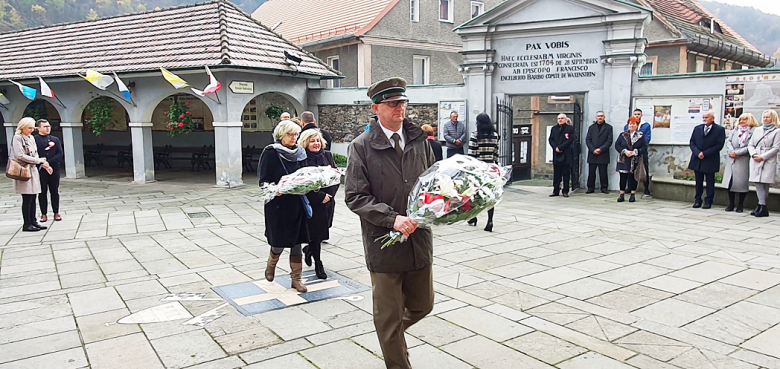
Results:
<point x="21" y="14"/>
<point x="759" y="28"/>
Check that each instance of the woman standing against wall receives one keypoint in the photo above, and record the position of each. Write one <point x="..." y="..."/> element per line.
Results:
<point x="763" y="148"/>
<point x="737" y="170"/>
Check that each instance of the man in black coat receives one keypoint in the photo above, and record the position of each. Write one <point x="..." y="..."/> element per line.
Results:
<point x="309" y="122"/>
<point x="561" y="139"/>
<point x="706" y="142"/>
<point x="598" y="140"/>
<point x="49" y="147"/>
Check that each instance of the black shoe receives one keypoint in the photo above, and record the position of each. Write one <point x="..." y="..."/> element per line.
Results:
<point x="706" y="205"/>
<point x="319" y="270"/>
<point x="697" y="204"/>
<point x="489" y="227"/>
<point x="648" y="194"/>
<point x="762" y="211"/>
<point x="307" y="254"/>
<point x="473" y="222"/>
<point x="554" y="194"/>
<point x="621" y="198"/>
<point x="590" y="191"/>
<point x="632" y="198"/>
<point x="730" y="207"/>
<point x="739" y="209"/>
<point x="606" y="192"/>
<point x="36" y="225"/>
<point x="30" y="228"/>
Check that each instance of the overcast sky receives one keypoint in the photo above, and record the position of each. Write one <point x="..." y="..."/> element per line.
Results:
<point x="767" y="6"/>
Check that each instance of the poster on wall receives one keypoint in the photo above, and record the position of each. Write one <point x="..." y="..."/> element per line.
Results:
<point x="751" y="94"/>
<point x="445" y="109"/>
<point x="673" y="118"/>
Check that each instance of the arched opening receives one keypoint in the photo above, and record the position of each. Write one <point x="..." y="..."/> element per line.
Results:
<point x="184" y="152"/>
<point x="259" y="118"/>
<point x="106" y="137"/>
<point x="42" y="109"/>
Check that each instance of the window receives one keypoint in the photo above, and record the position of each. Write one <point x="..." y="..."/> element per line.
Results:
<point x="699" y="65"/>
<point x="445" y="11"/>
<point x="714" y="65"/>
<point x="647" y="69"/>
<point x="414" y="10"/>
<point x="421" y="66"/>
<point x="333" y="62"/>
<point x="477" y="8"/>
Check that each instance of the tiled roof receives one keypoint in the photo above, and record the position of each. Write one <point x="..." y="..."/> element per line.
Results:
<point x="685" y="16"/>
<point x="313" y="20"/>
<point x="207" y="34"/>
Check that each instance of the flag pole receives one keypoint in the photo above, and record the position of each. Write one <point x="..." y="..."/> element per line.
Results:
<point x="211" y="98"/>
<point x="3" y="106"/>
<point x="217" y="96"/>
<point x="60" y="101"/>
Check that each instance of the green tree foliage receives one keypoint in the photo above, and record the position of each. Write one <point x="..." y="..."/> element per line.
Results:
<point x="22" y="14"/>
<point x="759" y="28"/>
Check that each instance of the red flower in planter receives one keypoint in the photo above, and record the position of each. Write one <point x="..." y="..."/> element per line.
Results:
<point x="186" y="104"/>
<point x="172" y="128"/>
<point x="187" y="112"/>
<point x="100" y="137"/>
<point x="181" y="124"/>
<point x="181" y="116"/>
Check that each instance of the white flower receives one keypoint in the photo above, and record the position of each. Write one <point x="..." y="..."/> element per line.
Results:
<point x="447" y="187"/>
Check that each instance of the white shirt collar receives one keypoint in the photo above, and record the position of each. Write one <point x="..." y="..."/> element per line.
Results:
<point x="389" y="134"/>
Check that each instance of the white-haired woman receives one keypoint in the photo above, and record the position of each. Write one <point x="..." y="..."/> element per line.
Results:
<point x="737" y="172"/>
<point x="763" y="148"/>
<point x="322" y="203"/>
<point x="286" y="215"/>
<point x="25" y="151"/>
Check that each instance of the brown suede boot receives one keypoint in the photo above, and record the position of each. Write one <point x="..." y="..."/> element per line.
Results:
<point x="270" y="269"/>
<point x="296" y="268"/>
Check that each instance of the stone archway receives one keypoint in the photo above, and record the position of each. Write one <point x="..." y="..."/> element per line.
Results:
<point x="43" y="109"/>
<point x="107" y="143"/>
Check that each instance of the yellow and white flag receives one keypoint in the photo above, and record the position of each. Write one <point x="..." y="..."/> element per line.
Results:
<point x="100" y="81"/>
<point x="173" y="79"/>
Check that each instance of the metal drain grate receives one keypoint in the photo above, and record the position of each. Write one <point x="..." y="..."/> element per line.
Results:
<point x="198" y="215"/>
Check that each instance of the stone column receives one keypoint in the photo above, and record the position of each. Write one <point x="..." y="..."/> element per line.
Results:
<point x="227" y="148"/>
<point x="143" y="152"/>
<point x="73" y="148"/>
<point x="10" y="130"/>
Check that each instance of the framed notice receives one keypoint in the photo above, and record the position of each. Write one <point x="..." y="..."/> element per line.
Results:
<point x="446" y="108"/>
<point x="751" y="94"/>
<point x="673" y="118"/>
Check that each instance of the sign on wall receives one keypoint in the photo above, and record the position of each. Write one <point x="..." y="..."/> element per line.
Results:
<point x="673" y="119"/>
<point x="446" y="108"/>
<point x="547" y="60"/>
<point x="751" y="94"/>
<point x="240" y="87"/>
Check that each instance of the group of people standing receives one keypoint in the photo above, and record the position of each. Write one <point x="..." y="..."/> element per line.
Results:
<point x="44" y="156"/>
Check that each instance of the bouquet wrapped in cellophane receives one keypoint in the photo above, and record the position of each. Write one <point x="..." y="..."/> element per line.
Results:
<point x="452" y="190"/>
<point x="301" y="182"/>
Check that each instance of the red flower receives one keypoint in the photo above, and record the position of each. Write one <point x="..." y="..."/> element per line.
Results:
<point x="172" y="128"/>
<point x="181" y="124"/>
<point x="186" y="104"/>
<point x="170" y="124"/>
<point x="100" y="137"/>
<point x="166" y="113"/>
<point x="187" y="112"/>
<point x="181" y="116"/>
<point x="687" y="173"/>
<point x="466" y="205"/>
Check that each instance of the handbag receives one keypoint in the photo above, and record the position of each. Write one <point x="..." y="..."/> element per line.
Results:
<point x="17" y="171"/>
<point x="304" y="199"/>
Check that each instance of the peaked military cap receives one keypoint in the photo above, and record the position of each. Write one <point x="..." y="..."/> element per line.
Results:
<point x="391" y="89"/>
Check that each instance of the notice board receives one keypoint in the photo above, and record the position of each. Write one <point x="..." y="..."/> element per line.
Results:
<point x="673" y="118"/>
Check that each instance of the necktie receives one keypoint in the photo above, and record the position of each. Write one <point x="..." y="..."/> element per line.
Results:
<point x="706" y="130"/>
<point x="397" y="140"/>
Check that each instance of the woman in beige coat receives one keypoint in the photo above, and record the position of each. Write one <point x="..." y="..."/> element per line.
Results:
<point x="25" y="151"/>
<point x="737" y="172"/>
<point x="764" y="146"/>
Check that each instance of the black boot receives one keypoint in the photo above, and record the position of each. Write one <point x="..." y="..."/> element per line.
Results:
<point x="621" y="198"/>
<point x="632" y="198"/>
<point x="762" y="211"/>
<point x="741" y="203"/>
<point x="473" y="222"/>
<point x="319" y="270"/>
<point x="307" y="253"/>
<point x="489" y="227"/>
<point x="753" y="213"/>
<point x="731" y="202"/>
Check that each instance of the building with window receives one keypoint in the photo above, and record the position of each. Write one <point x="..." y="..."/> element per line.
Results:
<point x="683" y="37"/>
<point x="369" y="40"/>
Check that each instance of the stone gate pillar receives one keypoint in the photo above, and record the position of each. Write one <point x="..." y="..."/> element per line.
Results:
<point x="227" y="149"/>
<point x="143" y="152"/>
<point x="73" y="148"/>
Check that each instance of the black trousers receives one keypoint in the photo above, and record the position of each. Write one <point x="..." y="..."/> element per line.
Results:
<point x="627" y="182"/>
<point x="28" y="210"/>
<point x="50" y="182"/>
<point x="561" y="171"/>
<point x="603" y="180"/>
<point x="645" y="156"/>
<point x="700" y="177"/>
<point x="451" y="151"/>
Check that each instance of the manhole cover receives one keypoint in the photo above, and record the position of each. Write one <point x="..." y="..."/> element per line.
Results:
<point x="202" y="214"/>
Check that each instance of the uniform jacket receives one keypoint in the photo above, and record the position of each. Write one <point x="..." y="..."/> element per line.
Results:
<point x="322" y="214"/>
<point x="764" y="172"/>
<point x="285" y="217"/>
<point x="599" y="137"/>
<point x="738" y="169"/>
<point x="377" y="189"/>
<point x="562" y="137"/>
<point x="710" y="145"/>
<point x="24" y="150"/>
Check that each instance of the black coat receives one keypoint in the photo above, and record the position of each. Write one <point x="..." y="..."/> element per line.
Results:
<point x="325" y="134"/>
<point x="621" y="144"/>
<point x="710" y="145"/>
<point x="562" y="137"/>
<point x="436" y="147"/>
<point x="599" y="137"/>
<point x="322" y="214"/>
<point x="285" y="217"/>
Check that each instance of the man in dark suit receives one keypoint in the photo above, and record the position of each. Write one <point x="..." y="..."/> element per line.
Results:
<point x="561" y="139"/>
<point x="706" y="142"/>
<point x="598" y="140"/>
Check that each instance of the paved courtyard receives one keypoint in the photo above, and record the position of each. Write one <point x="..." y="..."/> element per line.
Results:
<point x="573" y="283"/>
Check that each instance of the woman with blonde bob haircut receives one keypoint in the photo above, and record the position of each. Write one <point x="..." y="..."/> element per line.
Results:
<point x="285" y="215"/>
<point x="322" y="204"/>
<point x="763" y="149"/>
<point x="25" y="151"/>
<point x="737" y="170"/>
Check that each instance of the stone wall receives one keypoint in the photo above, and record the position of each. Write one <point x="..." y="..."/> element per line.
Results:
<point x="345" y="122"/>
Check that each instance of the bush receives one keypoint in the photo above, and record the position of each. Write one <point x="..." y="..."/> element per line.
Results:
<point x="341" y="160"/>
